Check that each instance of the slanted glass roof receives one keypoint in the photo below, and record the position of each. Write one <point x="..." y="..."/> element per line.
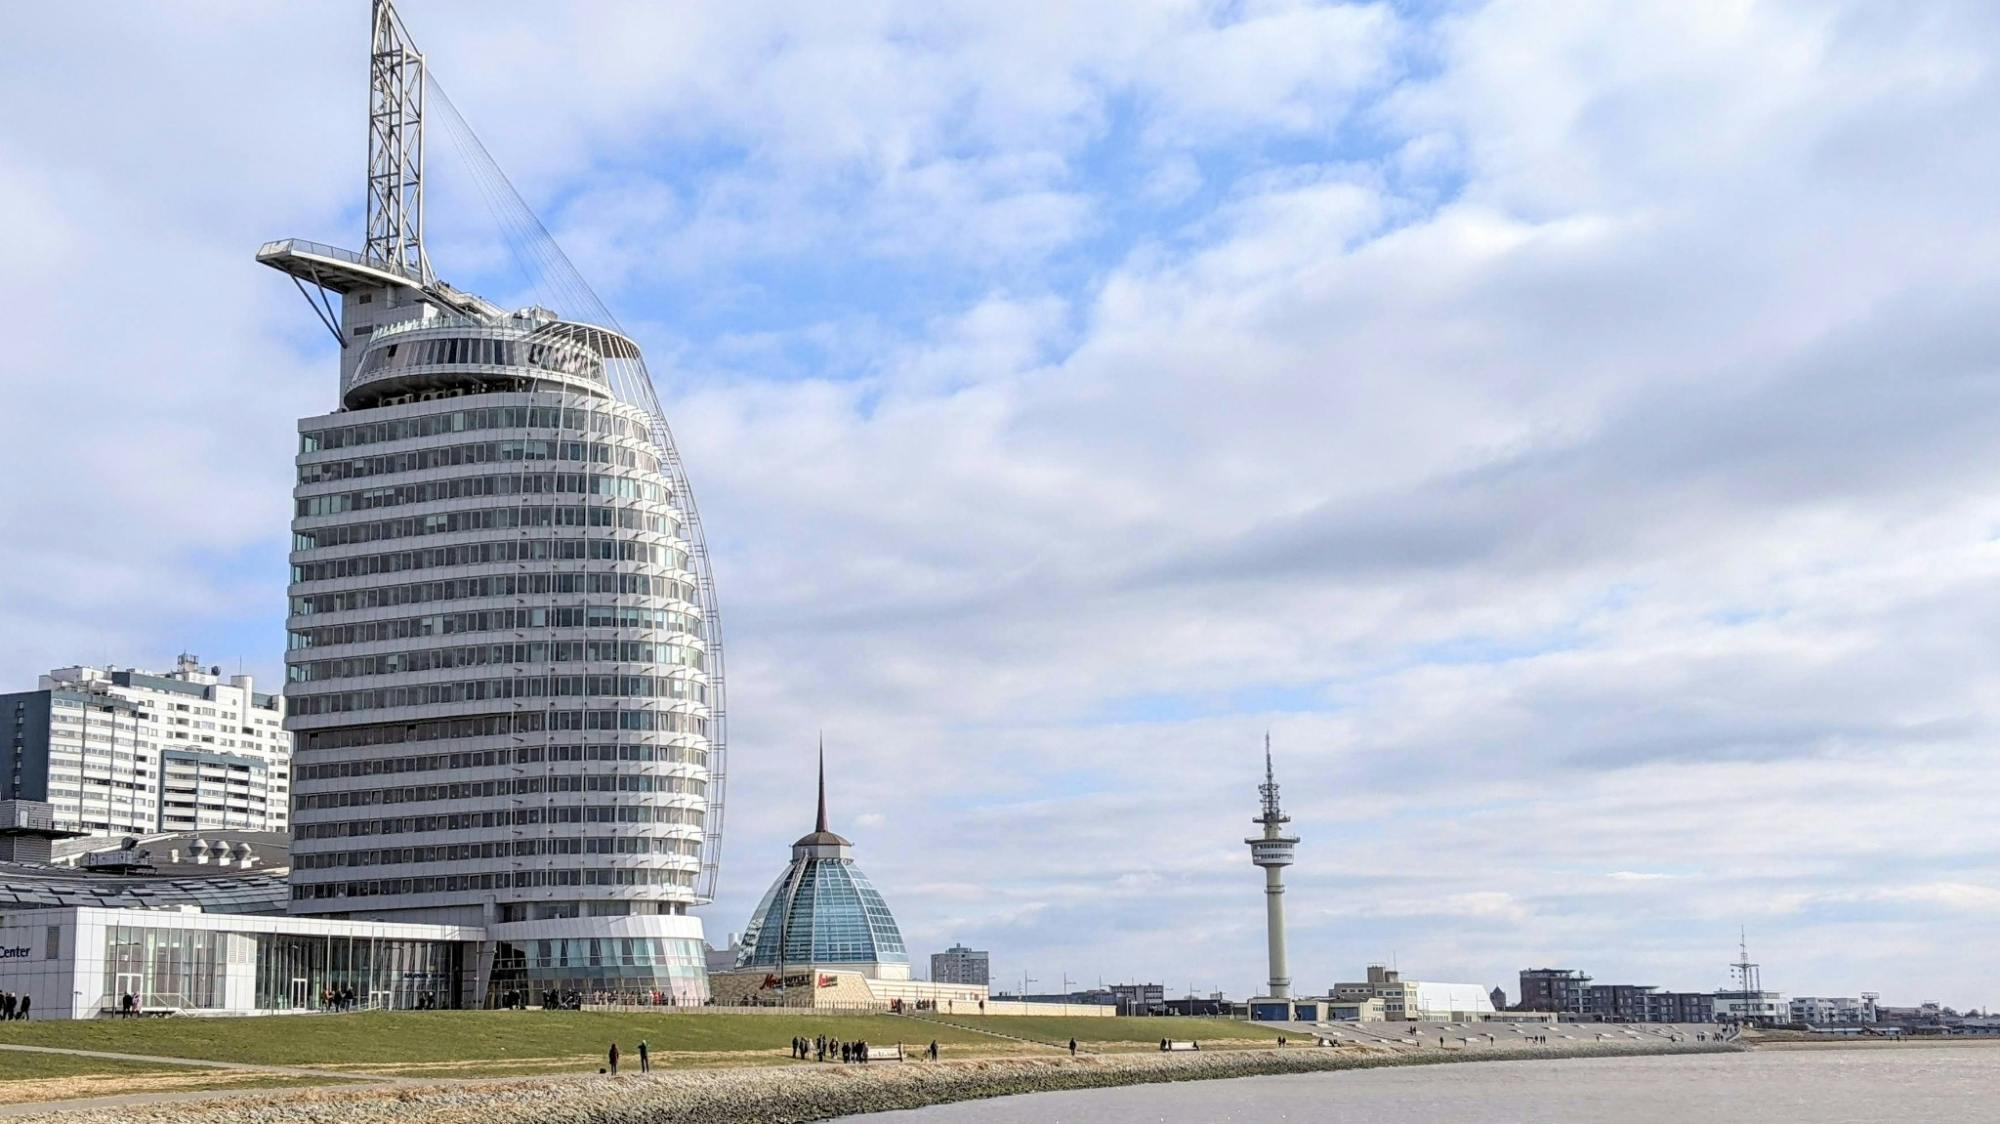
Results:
<point x="25" y="886"/>
<point x="821" y="911"/>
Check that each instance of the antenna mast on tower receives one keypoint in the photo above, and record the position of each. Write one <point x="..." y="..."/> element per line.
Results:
<point x="396" y="149"/>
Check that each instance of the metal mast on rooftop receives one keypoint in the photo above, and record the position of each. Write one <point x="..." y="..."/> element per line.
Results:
<point x="1273" y="851"/>
<point x="396" y="149"/>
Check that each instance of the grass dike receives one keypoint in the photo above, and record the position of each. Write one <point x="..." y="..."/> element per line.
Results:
<point x="797" y="1094"/>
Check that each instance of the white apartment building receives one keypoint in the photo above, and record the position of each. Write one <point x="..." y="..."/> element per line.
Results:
<point x="120" y="751"/>
<point x="1765" y="1007"/>
<point x="1814" y="1010"/>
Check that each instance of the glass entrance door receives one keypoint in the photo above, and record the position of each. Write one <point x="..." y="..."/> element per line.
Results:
<point x="128" y="984"/>
<point x="301" y="993"/>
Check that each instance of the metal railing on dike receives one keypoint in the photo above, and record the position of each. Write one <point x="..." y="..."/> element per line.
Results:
<point x="163" y="1004"/>
<point x="154" y="1005"/>
<point x="650" y="1002"/>
<point x="795" y="1012"/>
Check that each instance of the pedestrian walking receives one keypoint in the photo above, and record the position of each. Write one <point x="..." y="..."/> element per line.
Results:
<point x="613" y="1055"/>
<point x="645" y="1057"/>
<point x="26" y="1001"/>
<point x="933" y="1049"/>
<point x="1072" y="1047"/>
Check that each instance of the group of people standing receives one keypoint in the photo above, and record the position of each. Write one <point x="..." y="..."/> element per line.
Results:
<point x="14" y="1006"/>
<point x="823" y="1047"/>
<point x="820" y="1046"/>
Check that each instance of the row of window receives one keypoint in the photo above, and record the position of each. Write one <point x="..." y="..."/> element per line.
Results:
<point x="519" y="879"/>
<point x="561" y="356"/>
<point x="513" y="786"/>
<point x="490" y="690"/>
<point x="517" y="817"/>
<point x="479" y="452"/>
<point x="487" y="519"/>
<point x="497" y="620"/>
<point x="585" y="419"/>
<point x="489" y="553"/>
<point x="602" y="485"/>
<point x="491" y="585"/>
<point x="519" y="848"/>
<point x="498" y="655"/>
<point x="489" y="758"/>
<point x="493" y="725"/>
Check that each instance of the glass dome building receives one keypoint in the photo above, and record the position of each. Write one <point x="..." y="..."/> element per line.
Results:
<point x="822" y="912"/>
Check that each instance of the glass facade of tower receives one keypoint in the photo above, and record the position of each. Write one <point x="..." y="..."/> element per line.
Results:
<point x="498" y="681"/>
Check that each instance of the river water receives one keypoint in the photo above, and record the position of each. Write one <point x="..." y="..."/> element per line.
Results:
<point x="1861" y="1085"/>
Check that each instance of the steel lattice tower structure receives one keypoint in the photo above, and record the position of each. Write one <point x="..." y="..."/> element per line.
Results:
<point x="1273" y="851"/>
<point x="396" y="148"/>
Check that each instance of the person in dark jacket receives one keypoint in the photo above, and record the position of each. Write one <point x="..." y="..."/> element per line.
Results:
<point x="613" y="1055"/>
<point x="645" y="1057"/>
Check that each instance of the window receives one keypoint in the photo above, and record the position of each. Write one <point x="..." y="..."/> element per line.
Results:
<point x="52" y="947"/>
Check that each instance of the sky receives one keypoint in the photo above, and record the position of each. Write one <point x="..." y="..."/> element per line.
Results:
<point x="1566" y="428"/>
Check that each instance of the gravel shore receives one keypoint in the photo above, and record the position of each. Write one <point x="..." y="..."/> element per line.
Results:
<point x="787" y="1095"/>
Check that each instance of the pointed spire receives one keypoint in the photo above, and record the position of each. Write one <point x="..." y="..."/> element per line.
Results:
<point x="822" y="782"/>
<point x="1268" y="778"/>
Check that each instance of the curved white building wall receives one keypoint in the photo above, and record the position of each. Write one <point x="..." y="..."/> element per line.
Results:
<point x="498" y="683"/>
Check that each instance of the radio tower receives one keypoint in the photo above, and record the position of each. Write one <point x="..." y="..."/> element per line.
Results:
<point x="1749" y="977"/>
<point x="1273" y="851"/>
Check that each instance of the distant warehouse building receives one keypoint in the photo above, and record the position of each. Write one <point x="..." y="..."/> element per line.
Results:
<point x="1385" y="996"/>
<point x="1415" y="1000"/>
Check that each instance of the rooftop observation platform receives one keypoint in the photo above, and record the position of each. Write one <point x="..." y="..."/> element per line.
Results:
<point x="344" y="271"/>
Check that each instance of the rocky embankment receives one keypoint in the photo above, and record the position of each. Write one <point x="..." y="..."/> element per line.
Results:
<point x="789" y="1095"/>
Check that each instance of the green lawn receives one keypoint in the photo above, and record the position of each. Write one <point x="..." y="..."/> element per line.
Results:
<point x="28" y="1077"/>
<point x="384" y="1038"/>
<point x="413" y="1037"/>
<point x="16" y="1065"/>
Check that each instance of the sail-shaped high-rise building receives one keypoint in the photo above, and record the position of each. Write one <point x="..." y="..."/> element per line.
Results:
<point x="505" y="684"/>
